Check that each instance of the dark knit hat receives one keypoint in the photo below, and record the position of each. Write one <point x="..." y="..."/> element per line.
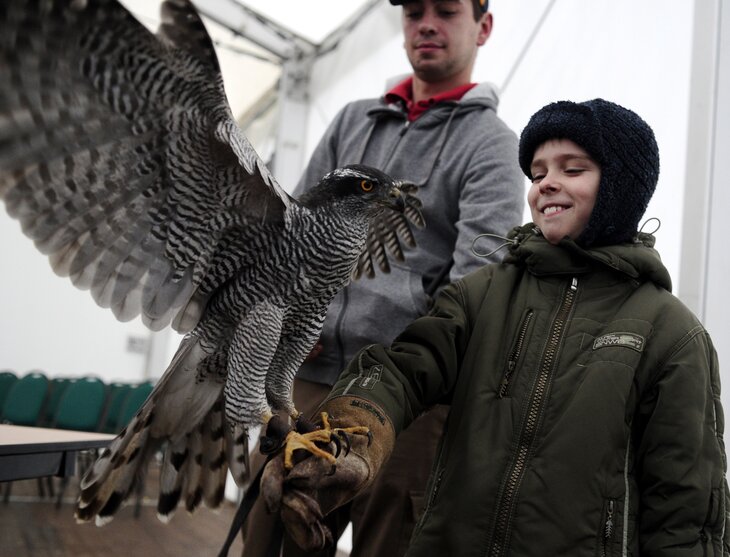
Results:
<point x="621" y="143"/>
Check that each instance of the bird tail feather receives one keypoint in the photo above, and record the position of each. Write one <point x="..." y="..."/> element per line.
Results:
<point x="184" y="418"/>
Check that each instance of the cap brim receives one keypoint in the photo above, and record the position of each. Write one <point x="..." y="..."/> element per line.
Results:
<point x="483" y="4"/>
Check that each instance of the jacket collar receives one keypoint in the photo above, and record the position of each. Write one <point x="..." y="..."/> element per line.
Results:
<point x="637" y="260"/>
<point x="403" y="93"/>
<point x="483" y="96"/>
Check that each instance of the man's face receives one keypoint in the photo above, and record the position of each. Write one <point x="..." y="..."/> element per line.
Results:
<point x="442" y="37"/>
<point x="564" y="187"/>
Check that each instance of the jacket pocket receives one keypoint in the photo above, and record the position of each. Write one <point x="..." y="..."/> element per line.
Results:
<point x="515" y="353"/>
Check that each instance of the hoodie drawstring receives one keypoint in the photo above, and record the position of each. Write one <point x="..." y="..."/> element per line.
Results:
<point x="647" y="221"/>
<point x="506" y="242"/>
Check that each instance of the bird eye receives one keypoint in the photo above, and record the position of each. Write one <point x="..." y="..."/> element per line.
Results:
<point x="366" y="185"/>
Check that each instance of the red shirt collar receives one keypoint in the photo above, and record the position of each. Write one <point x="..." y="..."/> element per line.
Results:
<point x="403" y="92"/>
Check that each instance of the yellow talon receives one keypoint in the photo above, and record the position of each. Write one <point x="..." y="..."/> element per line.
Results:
<point x="306" y="441"/>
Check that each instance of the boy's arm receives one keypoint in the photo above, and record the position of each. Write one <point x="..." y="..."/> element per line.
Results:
<point x="383" y="390"/>
<point x="680" y="458"/>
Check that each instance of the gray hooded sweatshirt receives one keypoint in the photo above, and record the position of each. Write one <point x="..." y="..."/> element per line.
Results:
<point x="464" y="160"/>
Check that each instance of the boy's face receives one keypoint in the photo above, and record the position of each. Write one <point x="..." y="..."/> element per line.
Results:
<point x="564" y="188"/>
<point x="441" y="37"/>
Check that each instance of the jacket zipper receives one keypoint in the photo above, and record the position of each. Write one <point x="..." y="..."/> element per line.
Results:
<point x="608" y="528"/>
<point x="431" y="496"/>
<point x="514" y="355"/>
<point x="536" y="404"/>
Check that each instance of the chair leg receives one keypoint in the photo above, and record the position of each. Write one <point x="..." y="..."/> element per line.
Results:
<point x="139" y="490"/>
<point x="139" y="493"/>
<point x="50" y="486"/>
<point x="41" y="488"/>
<point x="7" y="488"/>
<point x="61" y="491"/>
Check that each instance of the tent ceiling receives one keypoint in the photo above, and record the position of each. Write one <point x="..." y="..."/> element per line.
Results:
<point x="313" y="20"/>
<point x="254" y="37"/>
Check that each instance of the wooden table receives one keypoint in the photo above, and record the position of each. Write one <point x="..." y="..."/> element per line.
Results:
<point x="35" y="452"/>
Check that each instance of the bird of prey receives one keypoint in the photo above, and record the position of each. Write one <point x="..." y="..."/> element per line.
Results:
<point x="121" y="159"/>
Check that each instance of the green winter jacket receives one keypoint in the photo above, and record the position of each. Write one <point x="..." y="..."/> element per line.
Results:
<point x="585" y="408"/>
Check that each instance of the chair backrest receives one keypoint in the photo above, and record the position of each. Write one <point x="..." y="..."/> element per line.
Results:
<point x="81" y="405"/>
<point x="135" y="398"/>
<point x="115" y="398"/>
<point x="25" y="399"/>
<point x="56" y="387"/>
<point x="7" y="380"/>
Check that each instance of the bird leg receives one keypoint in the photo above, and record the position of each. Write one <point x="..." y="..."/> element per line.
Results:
<point x="277" y="429"/>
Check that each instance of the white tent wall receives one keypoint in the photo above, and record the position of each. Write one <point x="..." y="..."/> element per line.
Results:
<point x="636" y="53"/>
<point x="618" y="50"/>
<point x="639" y="54"/>
<point x="47" y="324"/>
<point x="706" y="233"/>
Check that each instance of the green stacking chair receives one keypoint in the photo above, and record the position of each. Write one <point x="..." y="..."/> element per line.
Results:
<point x="23" y="406"/>
<point x="80" y="409"/>
<point x="81" y="405"/>
<point x="133" y="402"/>
<point x="57" y="386"/>
<point x="7" y="380"/>
<point x="114" y="403"/>
<point x="135" y="398"/>
<point x="24" y="401"/>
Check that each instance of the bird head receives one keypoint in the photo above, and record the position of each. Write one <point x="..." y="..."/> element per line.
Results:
<point x="359" y="188"/>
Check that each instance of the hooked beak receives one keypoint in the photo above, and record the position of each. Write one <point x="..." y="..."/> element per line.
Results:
<point x="396" y="199"/>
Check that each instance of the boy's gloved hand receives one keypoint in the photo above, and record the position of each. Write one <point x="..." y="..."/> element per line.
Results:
<point x="313" y="487"/>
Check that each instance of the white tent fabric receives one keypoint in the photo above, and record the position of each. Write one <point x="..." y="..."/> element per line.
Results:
<point x="636" y="53"/>
<point x="639" y="54"/>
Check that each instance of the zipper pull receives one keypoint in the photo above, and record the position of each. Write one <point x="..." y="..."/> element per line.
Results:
<point x="503" y="387"/>
<point x="505" y="379"/>
<point x="404" y="129"/>
<point x="574" y="284"/>
<point x="608" y="531"/>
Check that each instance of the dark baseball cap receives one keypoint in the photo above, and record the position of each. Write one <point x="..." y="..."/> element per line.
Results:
<point x="482" y="4"/>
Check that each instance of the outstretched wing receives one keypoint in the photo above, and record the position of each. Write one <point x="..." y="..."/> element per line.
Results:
<point x="389" y="234"/>
<point x="119" y="154"/>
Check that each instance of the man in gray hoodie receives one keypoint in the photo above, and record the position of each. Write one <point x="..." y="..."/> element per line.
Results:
<point x="439" y="130"/>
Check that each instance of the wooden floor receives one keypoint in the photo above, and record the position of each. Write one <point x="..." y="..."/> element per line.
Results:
<point x="31" y="526"/>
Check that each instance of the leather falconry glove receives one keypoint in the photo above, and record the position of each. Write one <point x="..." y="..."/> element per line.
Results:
<point x="313" y="487"/>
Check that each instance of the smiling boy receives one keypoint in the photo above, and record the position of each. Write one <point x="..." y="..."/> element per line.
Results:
<point x="585" y="416"/>
<point x="564" y="188"/>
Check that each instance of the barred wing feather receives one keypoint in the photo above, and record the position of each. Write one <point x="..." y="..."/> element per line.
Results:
<point x="119" y="154"/>
<point x="389" y="235"/>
